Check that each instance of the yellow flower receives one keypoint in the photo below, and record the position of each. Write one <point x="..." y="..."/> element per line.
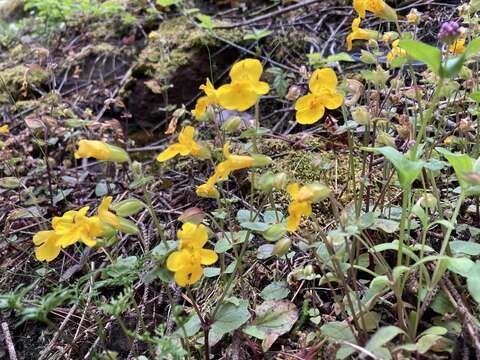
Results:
<point x="396" y="51"/>
<point x="208" y="189"/>
<point x="186" y="146"/>
<point x="105" y="214"/>
<point x="100" y="151"/>
<point x="323" y="94"/>
<point x="47" y="246"/>
<point x="413" y="17"/>
<point x="458" y="47"/>
<point x="4" y="129"/>
<point x="204" y="101"/>
<point x="357" y="33"/>
<point x="378" y="7"/>
<point x="75" y="226"/>
<point x="187" y="262"/>
<point x="245" y="88"/>
<point x="232" y="163"/>
<point x="301" y="205"/>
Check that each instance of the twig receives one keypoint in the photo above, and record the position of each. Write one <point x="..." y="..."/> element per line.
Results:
<point x="9" y="342"/>
<point x="270" y="15"/>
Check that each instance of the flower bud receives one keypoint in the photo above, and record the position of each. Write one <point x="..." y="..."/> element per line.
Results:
<point x="385" y="139"/>
<point x="204" y="152"/>
<point x="209" y="114"/>
<point x="260" y="160"/>
<point x="449" y="32"/>
<point x="275" y="232"/>
<point x="413" y="17"/>
<point x="281" y="247"/>
<point x="127" y="226"/>
<point x="373" y="44"/>
<point x="232" y="124"/>
<point x="192" y="215"/>
<point x="428" y="201"/>
<point x="308" y="270"/>
<point x="387" y="13"/>
<point x="368" y="57"/>
<point x="280" y="181"/>
<point x="117" y="154"/>
<point x="128" y="207"/>
<point x="265" y="181"/>
<point x="361" y="115"/>
<point x="319" y="190"/>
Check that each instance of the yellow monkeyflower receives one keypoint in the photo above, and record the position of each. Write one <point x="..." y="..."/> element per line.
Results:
<point x="4" y="129"/>
<point x="203" y="102"/>
<point x="208" y="189"/>
<point x="47" y="246"/>
<point x="232" y="163"/>
<point x="323" y="94"/>
<point x="301" y="205"/>
<point x="75" y="226"/>
<point x="100" y="151"/>
<point x="377" y="7"/>
<point x="458" y="47"/>
<point x="357" y="33"/>
<point x="187" y="261"/>
<point x="186" y="146"/>
<point x="396" y="51"/>
<point x="245" y="88"/>
<point x="105" y="214"/>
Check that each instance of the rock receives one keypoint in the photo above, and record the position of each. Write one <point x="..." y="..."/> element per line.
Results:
<point x="171" y="67"/>
<point x="11" y="9"/>
<point x="19" y="82"/>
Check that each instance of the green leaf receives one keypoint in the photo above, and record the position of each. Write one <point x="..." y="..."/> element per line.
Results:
<point x="427" y="54"/>
<point x="273" y="318"/>
<point x="275" y="232"/>
<point x="251" y="132"/>
<point x="473" y="282"/>
<point x="255" y="226"/>
<point x="383" y="336"/>
<point x="338" y="331"/>
<point x="275" y="291"/>
<point x="244" y="215"/>
<point x="407" y="169"/>
<point x="339" y="57"/>
<point x="472" y="49"/>
<point x="465" y="247"/>
<point x="211" y="271"/>
<point x="229" y="317"/>
<point x="451" y="67"/>
<point x="461" y="266"/>
<point x="434" y="330"/>
<point x="257" y="34"/>
<point x="388" y="226"/>
<point x="461" y="163"/>
<point x="475" y="96"/>
<point x="398" y="62"/>
<point x="426" y="342"/>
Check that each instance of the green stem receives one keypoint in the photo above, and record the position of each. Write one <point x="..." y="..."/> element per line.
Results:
<point x="401" y="240"/>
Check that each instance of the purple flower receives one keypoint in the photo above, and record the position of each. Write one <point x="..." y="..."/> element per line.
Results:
<point x="449" y="32"/>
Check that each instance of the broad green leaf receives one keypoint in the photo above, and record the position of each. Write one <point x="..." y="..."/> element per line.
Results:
<point x="473" y="48"/>
<point x="244" y="215"/>
<point x="273" y="316"/>
<point x="338" y="331"/>
<point x="461" y="163"/>
<point x="461" y="266"/>
<point x="420" y="51"/>
<point x="465" y="247"/>
<point x="407" y="169"/>
<point x="434" y="330"/>
<point x="426" y="342"/>
<point x="388" y="226"/>
<point x="451" y="67"/>
<point x="275" y="291"/>
<point x="339" y="57"/>
<point x="475" y="96"/>
<point x="255" y="226"/>
<point x="473" y="282"/>
<point x="275" y="232"/>
<point x="229" y="317"/>
<point x="383" y="336"/>
<point x="211" y="271"/>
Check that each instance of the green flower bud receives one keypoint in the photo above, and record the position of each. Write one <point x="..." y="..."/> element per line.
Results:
<point x="385" y="139"/>
<point x="137" y="168"/>
<point x="368" y="57"/>
<point x="361" y="115"/>
<point x="280" y="181"/>
<point x="265" y="181"/>
<point x="261" y="160"/>
<point x="210" y="115"/>
<point x="127" y="227"/>
<point x="308" y="270"/>
<point x="275" y="232"/>
<point x="232" y="124"/>
<point x="428" y="201"/>
<point x="320" y="191"/>
<point x="128" y="207"/>
<point x="117" y="154"/>
<point x="281" y="247"/>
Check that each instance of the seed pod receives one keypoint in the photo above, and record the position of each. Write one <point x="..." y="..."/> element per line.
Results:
<point x="128" y="207"/>
<point x="281" y="247"/>
<point x="232" y="124"/>
<point x="127" y="227"/>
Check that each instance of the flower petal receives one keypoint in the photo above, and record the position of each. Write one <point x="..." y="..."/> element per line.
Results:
<point x="171" y="152"/>
<point x="208" y="257"/>
<point x="48" y="251"/>
<point x="177" y="260"/>
<point x="322" y="78"/>
<point x="311" y="115"/>
<point x="237" y="96"/>
<point x="333" y="101"/>
<point x="246" y="70"/>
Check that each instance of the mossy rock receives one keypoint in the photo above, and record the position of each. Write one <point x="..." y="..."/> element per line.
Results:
<point x="19" y="82"/>
<point x="170" y="69"/>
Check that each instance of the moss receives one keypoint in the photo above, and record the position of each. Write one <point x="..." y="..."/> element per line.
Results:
<point x="13" y="79"/>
